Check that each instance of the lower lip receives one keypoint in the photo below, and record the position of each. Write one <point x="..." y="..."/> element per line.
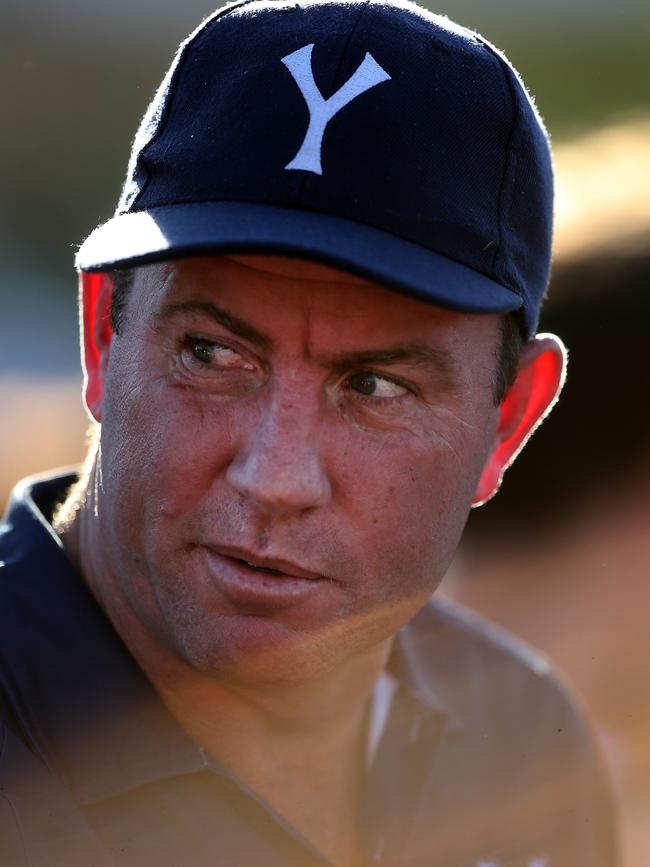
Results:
<point x="245" y="584"/>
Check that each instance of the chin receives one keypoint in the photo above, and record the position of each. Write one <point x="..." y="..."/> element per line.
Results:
<point x="258" y="650"/>
<point x="252" y="650"/>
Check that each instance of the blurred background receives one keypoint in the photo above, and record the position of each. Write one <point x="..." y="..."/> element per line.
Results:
<point x="562" y="555"/>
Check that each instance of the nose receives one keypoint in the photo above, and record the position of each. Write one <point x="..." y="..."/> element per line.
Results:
<point x="279" y="466"/>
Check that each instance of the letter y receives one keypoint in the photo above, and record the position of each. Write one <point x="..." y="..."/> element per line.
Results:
<point x="321" y="111"/>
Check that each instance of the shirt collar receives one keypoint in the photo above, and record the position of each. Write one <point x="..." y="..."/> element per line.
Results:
<point x="425" y="660"/>
<point x="79" y="696"/>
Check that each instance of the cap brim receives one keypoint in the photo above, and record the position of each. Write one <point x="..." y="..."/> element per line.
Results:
<point x="172" y="231"/>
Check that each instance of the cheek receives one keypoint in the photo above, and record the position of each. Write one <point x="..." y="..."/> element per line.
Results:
<point x="161" y="449"/>
<point x="413" y="498"/>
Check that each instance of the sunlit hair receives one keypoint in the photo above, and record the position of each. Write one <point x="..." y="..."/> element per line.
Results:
<point x="75" y="497"/>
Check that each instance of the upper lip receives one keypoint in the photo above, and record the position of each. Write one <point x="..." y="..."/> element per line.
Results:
<point x="252" y="559"/>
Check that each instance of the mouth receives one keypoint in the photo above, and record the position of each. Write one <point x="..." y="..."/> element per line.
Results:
<point x="259" y="581"/>
<point x="269" y="565"/>
<point x="268" y="569"/>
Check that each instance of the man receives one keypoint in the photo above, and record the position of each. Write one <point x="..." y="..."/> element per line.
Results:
<point x="309" y="348"/>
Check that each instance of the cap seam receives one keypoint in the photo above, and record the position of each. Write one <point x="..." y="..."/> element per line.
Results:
<point x="499" y="253"/>
<point x="173" y="87"/>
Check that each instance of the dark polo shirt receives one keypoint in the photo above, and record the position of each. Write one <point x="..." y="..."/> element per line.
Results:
<point x="483" y="761"/>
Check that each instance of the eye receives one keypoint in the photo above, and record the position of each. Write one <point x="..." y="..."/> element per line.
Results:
<point x="373" y="385"/>
<point x="215" y="355"/>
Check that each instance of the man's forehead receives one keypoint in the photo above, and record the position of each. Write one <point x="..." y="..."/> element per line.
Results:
<point x="242" y="279"/>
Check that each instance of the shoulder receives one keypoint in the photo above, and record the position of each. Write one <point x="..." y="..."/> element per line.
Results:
<point x="44" y="609"/>
<point x="43" y="605"/>
<point x="480" y="671"/>
<point x="515" y="716"/>
<point x="517" y="741"/>
<point x="34" y="569"/>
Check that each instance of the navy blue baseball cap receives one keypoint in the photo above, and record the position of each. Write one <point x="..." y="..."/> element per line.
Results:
<point x="373" y="136"/>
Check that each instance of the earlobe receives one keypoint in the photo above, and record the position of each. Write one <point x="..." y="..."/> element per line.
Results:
<point x="95" y="294"/>
<point x="527" y="402"/>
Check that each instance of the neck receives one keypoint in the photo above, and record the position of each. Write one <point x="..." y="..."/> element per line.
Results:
<point x="300" y="715"/>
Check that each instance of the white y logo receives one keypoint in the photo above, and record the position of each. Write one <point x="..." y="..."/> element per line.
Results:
<point x="321" y="111"/>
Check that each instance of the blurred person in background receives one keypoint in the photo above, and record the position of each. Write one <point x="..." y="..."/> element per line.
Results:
<point x="310" y="347"/>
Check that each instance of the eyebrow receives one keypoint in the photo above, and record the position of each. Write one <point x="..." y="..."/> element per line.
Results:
<point x="417" y="354"/>
<point x="218" y="314"/>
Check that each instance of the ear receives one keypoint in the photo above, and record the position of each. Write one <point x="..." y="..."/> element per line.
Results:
<point x="529" y="399"/>
<point x="96" y="291"/>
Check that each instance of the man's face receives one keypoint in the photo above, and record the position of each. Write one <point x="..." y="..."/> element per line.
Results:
<point x="287" y="415"/>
